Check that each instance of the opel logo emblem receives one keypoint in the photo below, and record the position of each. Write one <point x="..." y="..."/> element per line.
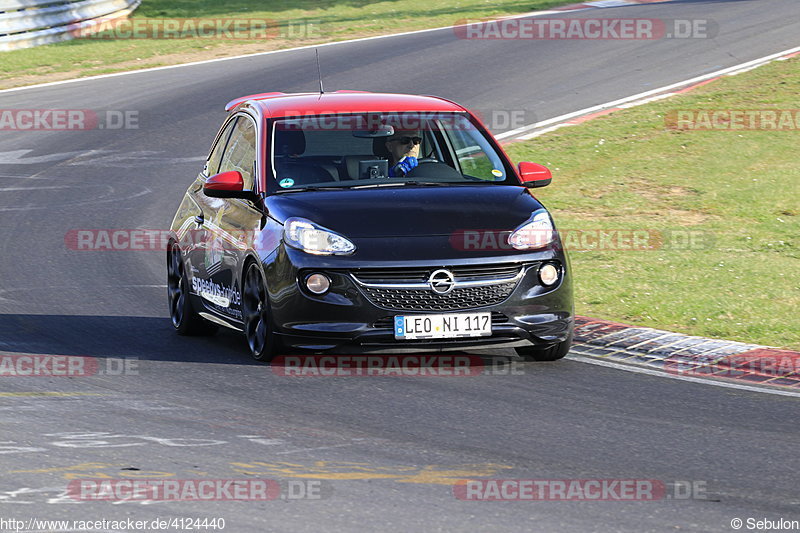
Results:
<point x="441" y="281"/>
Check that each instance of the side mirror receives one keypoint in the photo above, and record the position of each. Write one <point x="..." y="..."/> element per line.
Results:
<point x="534" y="175"/>
<point x="226" y="185"/>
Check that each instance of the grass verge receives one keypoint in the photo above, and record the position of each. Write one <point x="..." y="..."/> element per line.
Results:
<point x="738" y="190"/>
<point x="297" y="23"/>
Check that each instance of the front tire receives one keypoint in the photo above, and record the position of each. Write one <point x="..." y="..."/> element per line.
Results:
<point x="257" y="317"/>
<point x="553" y="352"/>
<point x="184" y="318"/>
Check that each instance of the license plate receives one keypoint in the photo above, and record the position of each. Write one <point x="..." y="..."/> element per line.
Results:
<point x="444" y="326"/>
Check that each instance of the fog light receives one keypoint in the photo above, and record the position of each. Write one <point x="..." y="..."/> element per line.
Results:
<point x="318" y="283"/>
<point x="548" y="274"/>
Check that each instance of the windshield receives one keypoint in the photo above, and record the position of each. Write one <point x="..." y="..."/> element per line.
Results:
<point x="344" y="151"/>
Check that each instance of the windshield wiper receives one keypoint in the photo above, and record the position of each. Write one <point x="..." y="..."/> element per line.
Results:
<point x="402" y="183"/>
<point x="312" y="188"/>
<point x="374" y="185"/>
<point x="429" y="183"/>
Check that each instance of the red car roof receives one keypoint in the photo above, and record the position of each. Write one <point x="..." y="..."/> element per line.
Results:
<point x="285" y="105"/>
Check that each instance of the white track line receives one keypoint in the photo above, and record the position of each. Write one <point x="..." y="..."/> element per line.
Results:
<point x="523" y="130"/>
<point x="661" y="374"/>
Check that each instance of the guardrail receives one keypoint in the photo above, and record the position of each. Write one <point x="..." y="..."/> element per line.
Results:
<point x="28" y="23"/>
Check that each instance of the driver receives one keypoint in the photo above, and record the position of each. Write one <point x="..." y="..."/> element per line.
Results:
<point x="403" y="148"/>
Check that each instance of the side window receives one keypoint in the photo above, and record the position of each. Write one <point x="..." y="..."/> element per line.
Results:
<point x="212" y="165"/>
<point x="475" y="156"/>
<point x="240" y="153"/>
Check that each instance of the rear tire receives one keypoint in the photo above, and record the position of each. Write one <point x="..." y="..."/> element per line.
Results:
<point x="184" y="318"/>
<point x="257" y="316"/>
<point x="553" y="352"/>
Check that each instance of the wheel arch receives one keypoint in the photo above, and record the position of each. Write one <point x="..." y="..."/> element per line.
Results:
<point x="249" y="259"/>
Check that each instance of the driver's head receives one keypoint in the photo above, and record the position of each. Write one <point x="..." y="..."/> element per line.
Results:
<point x="404" y="143"/>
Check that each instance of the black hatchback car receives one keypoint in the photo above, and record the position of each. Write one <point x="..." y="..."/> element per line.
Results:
<point x="353" y="222"/>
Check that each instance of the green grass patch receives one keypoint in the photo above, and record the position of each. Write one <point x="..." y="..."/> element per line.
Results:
<point x="299" y="22"/>
<point x="738" y="190"/>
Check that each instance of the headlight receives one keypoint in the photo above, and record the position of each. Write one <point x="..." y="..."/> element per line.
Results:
<point x="313" y="239"/>
<point x="536" y="232"/>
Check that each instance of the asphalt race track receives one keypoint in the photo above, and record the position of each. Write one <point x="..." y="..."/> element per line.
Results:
<point x="385" y="449"/>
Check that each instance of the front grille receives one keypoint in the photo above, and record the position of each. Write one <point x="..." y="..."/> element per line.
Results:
<point x="387" y="322"/>
<point x="408" y="288"/>
<point x="420" y="275"/>
<point x="427" y="300"/>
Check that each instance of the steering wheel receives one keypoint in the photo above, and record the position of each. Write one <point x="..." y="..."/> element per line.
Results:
<point x="427" y="160"/>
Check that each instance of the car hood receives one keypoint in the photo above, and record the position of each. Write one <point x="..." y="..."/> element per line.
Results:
<point x="409" y="211"/>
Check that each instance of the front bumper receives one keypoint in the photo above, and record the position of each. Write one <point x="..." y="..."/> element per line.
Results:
<point x="347" y="320"/>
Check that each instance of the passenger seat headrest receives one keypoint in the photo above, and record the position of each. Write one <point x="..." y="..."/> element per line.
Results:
<point x="290" y="142"/>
